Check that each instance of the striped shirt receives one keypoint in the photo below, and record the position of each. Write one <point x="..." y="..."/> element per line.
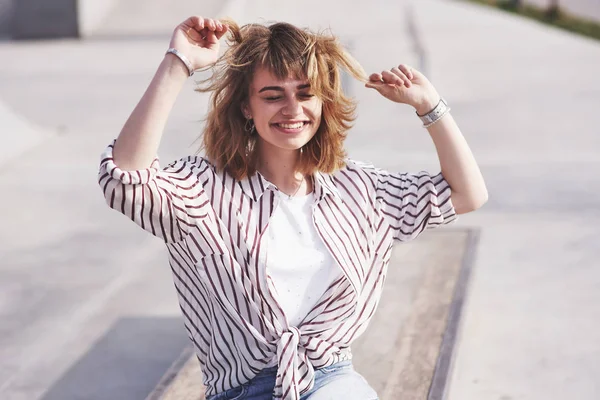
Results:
<point x="214" y="226"/>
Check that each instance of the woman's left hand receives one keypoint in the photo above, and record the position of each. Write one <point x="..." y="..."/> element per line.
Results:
<point x="406" y="85"/>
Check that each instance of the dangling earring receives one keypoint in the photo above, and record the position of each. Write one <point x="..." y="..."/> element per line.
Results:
<point x="249" y="126"/>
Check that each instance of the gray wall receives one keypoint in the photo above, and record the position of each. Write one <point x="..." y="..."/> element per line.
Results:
<point x="42" y="19"/>
<point x="6" y="8"/>
<point x="37" y="19"/>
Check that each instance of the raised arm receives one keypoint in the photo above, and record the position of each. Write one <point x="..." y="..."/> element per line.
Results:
<point x="406" y="85"/>
<point x="165" y="202"/>
<point x="197" y="39"/>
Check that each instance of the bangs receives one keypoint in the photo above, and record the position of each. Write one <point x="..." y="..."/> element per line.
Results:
<point x="282" y="66"/>
<point x="292" y="53"/>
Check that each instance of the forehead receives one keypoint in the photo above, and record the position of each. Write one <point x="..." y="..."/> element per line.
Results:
<point x="264" y="77"/>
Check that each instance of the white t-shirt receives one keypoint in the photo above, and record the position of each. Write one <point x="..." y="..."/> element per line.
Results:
<point x="300" y="266"/>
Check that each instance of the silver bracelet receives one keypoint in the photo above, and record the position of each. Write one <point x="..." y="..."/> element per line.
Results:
<point x="436" y="114"/>
<point x="183" y="59"/>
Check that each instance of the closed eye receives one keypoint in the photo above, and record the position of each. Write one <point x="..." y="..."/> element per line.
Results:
<point x="301" y="95"/>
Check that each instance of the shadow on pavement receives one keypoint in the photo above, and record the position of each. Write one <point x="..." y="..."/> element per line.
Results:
<point x="125" y="363"/>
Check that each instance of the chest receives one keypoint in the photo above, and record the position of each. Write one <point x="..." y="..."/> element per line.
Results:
<point x="348" y="228"/>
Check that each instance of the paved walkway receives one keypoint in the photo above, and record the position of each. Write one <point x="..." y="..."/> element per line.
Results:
<point x="526" y="96"/>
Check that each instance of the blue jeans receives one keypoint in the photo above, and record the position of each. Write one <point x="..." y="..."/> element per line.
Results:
<point x="338" y="381"/>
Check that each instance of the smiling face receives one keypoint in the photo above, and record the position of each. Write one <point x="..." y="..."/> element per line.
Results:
<point x="285" y="112"/>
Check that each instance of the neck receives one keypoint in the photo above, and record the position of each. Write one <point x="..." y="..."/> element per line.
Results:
<point x="278" y="166"/>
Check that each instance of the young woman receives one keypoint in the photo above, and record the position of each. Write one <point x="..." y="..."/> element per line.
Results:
<point x="278" y="243"/>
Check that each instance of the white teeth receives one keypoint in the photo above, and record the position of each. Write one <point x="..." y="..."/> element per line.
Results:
<point x="292" y="126"/>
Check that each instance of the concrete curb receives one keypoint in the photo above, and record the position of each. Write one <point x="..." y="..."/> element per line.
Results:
<point x="445" y="362"/>
<point x="169" y="377"/>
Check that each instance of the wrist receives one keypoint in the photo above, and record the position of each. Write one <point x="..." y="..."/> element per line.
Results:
<point x="174" y="68"/>
<point x="427" y="104"/>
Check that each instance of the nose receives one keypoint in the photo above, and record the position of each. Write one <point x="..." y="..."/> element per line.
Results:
<point x="292" y="108"/>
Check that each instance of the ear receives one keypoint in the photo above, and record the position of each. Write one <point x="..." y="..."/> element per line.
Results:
<point x="246" y="110"/>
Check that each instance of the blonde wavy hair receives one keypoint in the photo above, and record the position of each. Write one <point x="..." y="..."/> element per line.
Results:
<point x="286" y="51"/>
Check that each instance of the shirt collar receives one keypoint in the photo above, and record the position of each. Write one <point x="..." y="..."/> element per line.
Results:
<point x="325" y="185"/>
<point x="256" y="185"/>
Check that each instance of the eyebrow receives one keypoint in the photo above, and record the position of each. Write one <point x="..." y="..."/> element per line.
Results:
<point x="280" y="89"/>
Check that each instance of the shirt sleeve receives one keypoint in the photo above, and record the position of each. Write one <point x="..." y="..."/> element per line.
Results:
<point x="165" y="202"/>
<point x="412" y="203"/>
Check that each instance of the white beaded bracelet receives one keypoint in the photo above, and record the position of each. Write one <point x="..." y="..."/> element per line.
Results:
<point x="183" y="59"/>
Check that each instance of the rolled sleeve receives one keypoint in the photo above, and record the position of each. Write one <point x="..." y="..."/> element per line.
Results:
<point x="412" y="203"/>
<point x="165" y="202"/>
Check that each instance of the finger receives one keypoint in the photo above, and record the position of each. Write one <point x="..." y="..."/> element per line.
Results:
<point x="203" y="32"/>
<point x="211" y="24"/>
<point x="200" y="23"/>
<point x="376" y="86"/>
<point x="207" y="32"/>
<point x="401" y="75"/>
<point x="196" y="22"/>
<point x="211" y="37"/>
<point x="221" y="26"/>
<point x="375" y="77"/>
<point x="391" y="78"/>
<point x="382" y="88"/>
<point x="407" y="71"/>
<point x="224" y="29"/>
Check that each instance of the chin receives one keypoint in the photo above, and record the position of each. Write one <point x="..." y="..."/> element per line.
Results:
<point x="288" y="142"/>
<point x="290" y="145"/>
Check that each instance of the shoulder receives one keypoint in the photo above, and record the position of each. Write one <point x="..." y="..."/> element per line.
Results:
<point x="360" y="170"/>
<point x="197" y="165"/>
<point x="354" y="177"/>
<point x="361" y="166"/>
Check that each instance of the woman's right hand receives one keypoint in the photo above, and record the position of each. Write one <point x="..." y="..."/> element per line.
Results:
<point x="198" y="39"/>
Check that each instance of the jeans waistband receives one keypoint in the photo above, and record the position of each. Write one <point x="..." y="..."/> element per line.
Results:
<point x="273" y="370"/>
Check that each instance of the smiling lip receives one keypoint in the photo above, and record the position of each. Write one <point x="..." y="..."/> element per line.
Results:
<point x="290" y="126"/>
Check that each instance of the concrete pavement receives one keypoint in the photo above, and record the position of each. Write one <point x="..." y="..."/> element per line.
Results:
<point x="19" y="134"/>
<point x="524" y="94"/>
